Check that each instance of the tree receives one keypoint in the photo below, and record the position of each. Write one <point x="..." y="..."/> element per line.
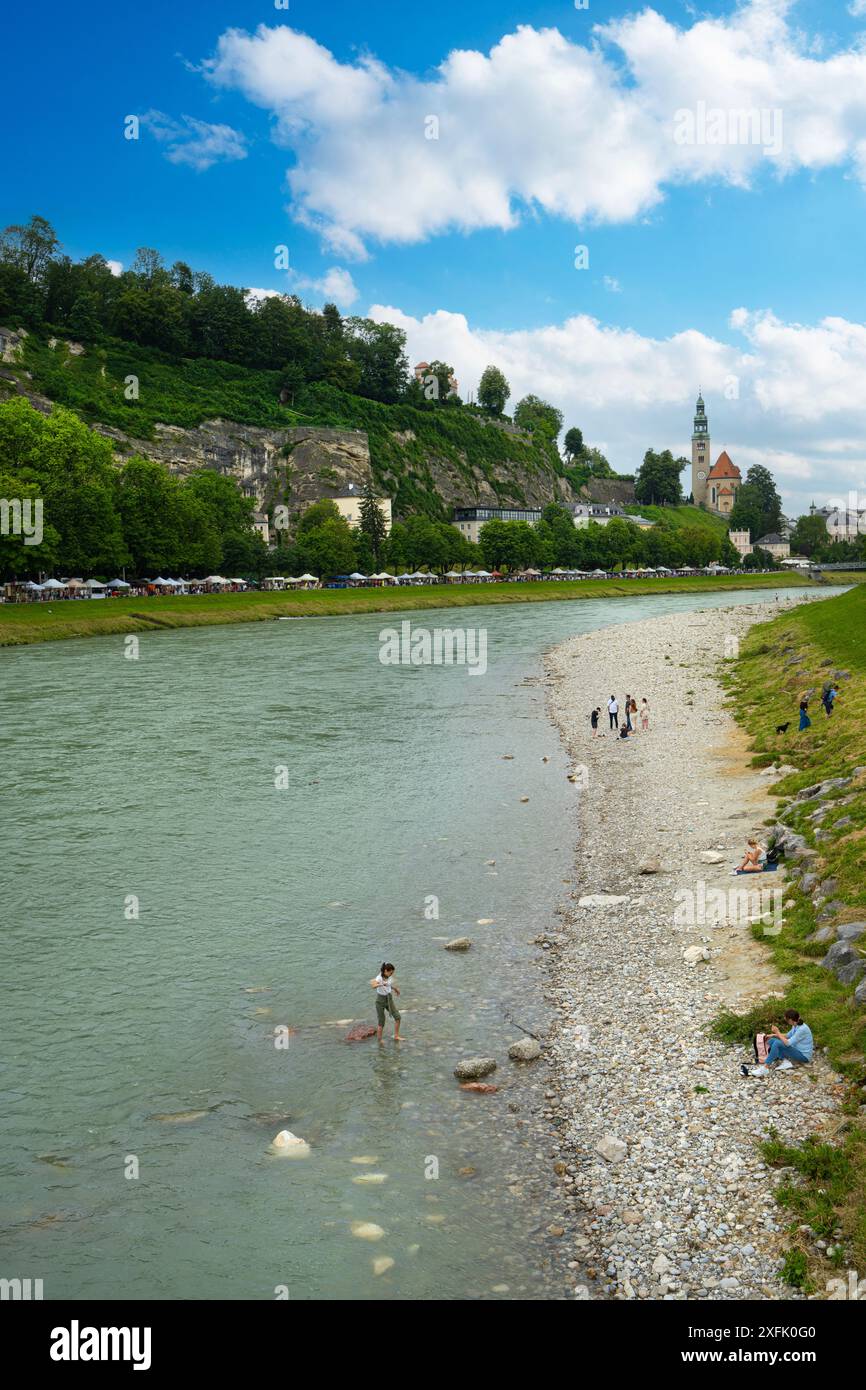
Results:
<point x="30" y="247"/>
<point x="573" y="443"/>
<point x="493" y="391"/>
<point x="17" y="559"/>
<point x="758" y="508"/>
<point x="762" y="480"/>
<point x="372" y="524"/>
<point x="441" y="385"/>
<point x="327" y="549"/>
<point x="597" y="463"/>
<point x="533" y="414"/>
<point x="658" y="478"/>
<point x="810" y="535"/>
<point x="380" y="352"/>
<point x="747" y="513"/>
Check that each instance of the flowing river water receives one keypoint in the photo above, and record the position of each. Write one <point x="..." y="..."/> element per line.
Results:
<point x="166" y="906"/>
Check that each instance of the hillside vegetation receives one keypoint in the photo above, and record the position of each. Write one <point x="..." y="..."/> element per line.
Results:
<point x="678" y="517"/>
<point x="409" y="444"/>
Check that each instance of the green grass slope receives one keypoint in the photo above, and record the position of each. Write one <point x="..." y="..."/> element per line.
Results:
<point x="825" y="1187"/>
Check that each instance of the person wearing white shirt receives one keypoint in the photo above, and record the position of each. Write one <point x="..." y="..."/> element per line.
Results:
<point x="385" y="991"/>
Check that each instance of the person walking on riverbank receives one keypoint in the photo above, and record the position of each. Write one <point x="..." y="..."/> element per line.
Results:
<point x="786" y="1049"/>
<point x="628" y="713"/>
<point x="613" y="712"/>
<point x="805" y="721"/>
<point x="644" y="716"/>
<point x="385" y="991"/>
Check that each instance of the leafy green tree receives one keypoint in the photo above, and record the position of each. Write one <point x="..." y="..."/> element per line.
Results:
<point x="380" y="352"/>
<point x="327" y="549"/>
<point x="747" y="513"/>
<point x="440" y="387"/>
<point x="318" y="513"/>
<point x="30" y="247"/>
<point x="532" y="413"/>
<point x="17" y="560"/>
<point x="493" y="390"/>
<point x="597" y="463"/>
<point x="573" y="443"/>
<point x="810" y="535"/>
<point x="658" y="478"/>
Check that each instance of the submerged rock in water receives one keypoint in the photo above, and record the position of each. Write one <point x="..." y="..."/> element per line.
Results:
<point x="482" y="1087"/>
<point x="473" y="1067"/>
<point x="367" y="1230"/>
<point x="359" y="1032"/>
<point x="382" y="1264"/>
<point x="183" y="1117"/>
<point x="525" y="1050"/>
<point x="289" y="1145"/>
<point x="372" y="1178"/>
<point x="364" y="1158"/>
<point x="460" y="943"/>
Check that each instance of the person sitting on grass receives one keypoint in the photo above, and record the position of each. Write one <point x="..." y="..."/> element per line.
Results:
<point x="786" y="1049"/>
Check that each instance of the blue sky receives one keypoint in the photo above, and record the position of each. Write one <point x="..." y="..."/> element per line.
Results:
<point x="674" y="249"/>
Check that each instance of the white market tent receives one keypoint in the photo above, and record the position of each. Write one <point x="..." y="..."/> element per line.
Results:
<point x="94" y="584"/>
<point x="53" y="584"/>
<point x="309" y="578"/>
<point x="117" y="584"/>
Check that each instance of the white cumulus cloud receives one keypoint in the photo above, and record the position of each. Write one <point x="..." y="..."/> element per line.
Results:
<point x="590" y="130"/>
<point x="200" y="144"/>
<point x="335" y="286"/>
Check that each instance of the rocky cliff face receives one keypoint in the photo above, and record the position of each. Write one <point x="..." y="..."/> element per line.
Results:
<point x="297" y="465"/>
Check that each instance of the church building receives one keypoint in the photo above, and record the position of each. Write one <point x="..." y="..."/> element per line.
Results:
<point x="714" y="488"/>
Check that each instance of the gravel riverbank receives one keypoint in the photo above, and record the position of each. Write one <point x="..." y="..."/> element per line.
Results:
<point x="656" y="1131"/>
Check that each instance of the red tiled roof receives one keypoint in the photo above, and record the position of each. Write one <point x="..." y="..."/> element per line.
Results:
<point x="724" y="468"/>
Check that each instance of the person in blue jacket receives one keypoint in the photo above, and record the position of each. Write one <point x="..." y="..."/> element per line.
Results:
<point x="786" y="1049"/>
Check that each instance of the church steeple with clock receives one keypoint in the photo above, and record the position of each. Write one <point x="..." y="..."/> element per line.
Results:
<point x="700" y="454"/>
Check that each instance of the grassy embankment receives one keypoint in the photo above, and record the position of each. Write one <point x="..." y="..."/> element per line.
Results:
<point x="678" y="517"/>
<point x="22" y="624"/>
<point x="824" y="1184"/>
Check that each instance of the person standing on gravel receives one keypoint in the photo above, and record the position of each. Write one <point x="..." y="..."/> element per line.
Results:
<point x="644" y="716"/>
<point x="613" y="712"/>
<point x="593" y="719"/>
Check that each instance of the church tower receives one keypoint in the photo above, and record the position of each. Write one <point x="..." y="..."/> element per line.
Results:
<point x="700" y="454"/>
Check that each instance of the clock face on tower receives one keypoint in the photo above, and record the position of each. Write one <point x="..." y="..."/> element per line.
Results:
<point x="702" y="477"/>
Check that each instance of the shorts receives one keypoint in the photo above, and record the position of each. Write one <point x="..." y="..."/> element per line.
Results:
<point x="385" y="1004"/>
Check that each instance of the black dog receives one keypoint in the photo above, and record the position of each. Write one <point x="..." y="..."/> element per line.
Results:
<point x="783" y="728"/>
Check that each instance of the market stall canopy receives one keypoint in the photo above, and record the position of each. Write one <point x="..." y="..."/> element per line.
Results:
<point x="53" y="584"/>
<point x="94" y="584"/>
<point x="117" y="584"/>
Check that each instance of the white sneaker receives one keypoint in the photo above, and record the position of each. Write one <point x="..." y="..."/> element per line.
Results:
<point x="786" y="1065"/>
<point x="760" y="1071"/>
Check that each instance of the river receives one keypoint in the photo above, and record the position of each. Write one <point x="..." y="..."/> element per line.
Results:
<point x="168" y="903"/>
